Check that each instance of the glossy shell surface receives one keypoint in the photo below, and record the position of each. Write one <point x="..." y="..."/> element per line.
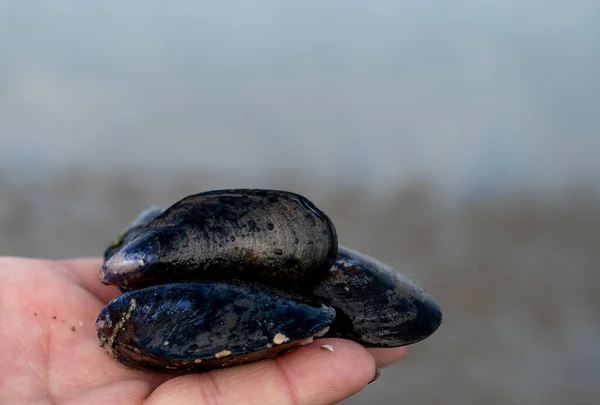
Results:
<point x="227" y="277"/>
<point x="376" y="305"/>
<point x="277" y="237"/>
<point x="198" y="326"/>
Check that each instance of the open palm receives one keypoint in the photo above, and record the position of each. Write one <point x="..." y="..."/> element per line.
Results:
<point x="49" y="352"/>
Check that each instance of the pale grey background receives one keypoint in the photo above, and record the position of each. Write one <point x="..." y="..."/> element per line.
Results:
<point x="456" y="140"/>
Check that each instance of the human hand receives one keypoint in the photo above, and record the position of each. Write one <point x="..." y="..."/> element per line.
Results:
<point x="49" y="352"/>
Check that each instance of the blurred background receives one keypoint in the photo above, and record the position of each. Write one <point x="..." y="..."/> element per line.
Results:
<point x="457" y="141"/>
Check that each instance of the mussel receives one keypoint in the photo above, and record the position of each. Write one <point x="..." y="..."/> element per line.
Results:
<point x="189" y="326"/>
<point x="276" y="237"/>
<point x="226" y="277"/>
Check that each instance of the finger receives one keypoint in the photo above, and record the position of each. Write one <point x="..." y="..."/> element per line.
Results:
<point x="85" y="272"/>
<point x="308" y="375"/>
<point x="385" y="357"/>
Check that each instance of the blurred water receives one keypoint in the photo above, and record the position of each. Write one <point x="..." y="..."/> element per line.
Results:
<point x="377" y="112"/>
<point x="478" y="96"/>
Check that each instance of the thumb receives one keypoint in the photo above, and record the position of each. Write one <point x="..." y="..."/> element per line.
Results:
<point x="309" y="375"/>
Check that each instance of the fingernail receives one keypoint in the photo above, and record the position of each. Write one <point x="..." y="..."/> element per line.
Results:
<point x="377" y="375"/>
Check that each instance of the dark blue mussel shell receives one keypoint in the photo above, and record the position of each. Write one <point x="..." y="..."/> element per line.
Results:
<point x="228" y="277"/>
<point x="376" y="305"/>
<point x="186" y="327"/>
<point x="275" y="237"/>
<point x="132" y="230"/>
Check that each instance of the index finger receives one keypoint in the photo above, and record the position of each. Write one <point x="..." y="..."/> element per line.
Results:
<point x="309" y="375"/>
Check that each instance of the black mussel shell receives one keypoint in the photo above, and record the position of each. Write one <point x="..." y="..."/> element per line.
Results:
<point x="376" y="305"/>
<point x="130" y="233"/>
<point x="227" y="277"/>
<point x="269" y="236"/>
<point x="132" y="230"/>
<point x="187" y="327"/>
